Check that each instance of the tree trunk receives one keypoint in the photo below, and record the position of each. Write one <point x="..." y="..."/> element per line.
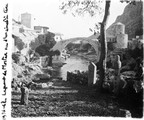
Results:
<point x="50" y="61"/>
<point x="103" y="41"/>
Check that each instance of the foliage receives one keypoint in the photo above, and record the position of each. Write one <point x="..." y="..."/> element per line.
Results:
<point x="16" y="57"/>
<point x="79" y="47"/>
<point x="86" y="47"/>
<point x="92" y="7"/>
<point x="137" y="52"/>
<point x="43" y="44"/>
<point x="139" y="32"/>
<point x="72" y="46"/>
<point x="78" y="77"/>
<point x="57" y="52"/>
<point x="83" y="7"/>
<point x="47" y="39"/>
<point x="18" y="42"/>
<point x="42" y="50"/>
<point x="110" y="46"/>
<point x="36" y="43"/>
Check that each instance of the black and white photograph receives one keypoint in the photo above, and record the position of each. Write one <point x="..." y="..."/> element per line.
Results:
<point x="80" y="59"/>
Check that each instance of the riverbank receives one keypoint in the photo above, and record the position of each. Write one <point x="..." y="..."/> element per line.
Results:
<point x="61" y="98"/>
<point x="88" y="56"/>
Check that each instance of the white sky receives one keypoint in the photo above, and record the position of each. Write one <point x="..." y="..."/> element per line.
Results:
<point x="47" y="13"/>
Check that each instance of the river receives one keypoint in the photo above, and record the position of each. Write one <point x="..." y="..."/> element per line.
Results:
<point x="73" y="63"/>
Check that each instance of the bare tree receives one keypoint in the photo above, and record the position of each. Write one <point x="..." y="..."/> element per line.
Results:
<point x="103" y="55"/>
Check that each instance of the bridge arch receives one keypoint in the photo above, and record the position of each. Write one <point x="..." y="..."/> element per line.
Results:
<point x="93" y="42"/>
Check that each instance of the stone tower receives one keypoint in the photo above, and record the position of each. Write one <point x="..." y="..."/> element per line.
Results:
<point x="121" y="37"/>
<point x="26" y="19"/>
<point x="120" y="28"/>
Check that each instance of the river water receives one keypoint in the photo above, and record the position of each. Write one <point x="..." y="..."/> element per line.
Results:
<point x="73" y="63"/>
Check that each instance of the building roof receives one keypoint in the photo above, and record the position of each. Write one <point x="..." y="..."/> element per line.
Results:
<point x="40" y="27"/>
<point x="27" y="35"/>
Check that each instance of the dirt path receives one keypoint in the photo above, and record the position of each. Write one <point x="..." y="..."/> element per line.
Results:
<point x="62" y="98"/>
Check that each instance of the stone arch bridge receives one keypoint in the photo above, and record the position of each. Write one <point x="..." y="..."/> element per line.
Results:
<point x="92" y="40"/>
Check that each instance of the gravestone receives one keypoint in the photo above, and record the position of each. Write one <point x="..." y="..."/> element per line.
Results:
<point x="116" y="66"/>
<point x="44" y="61"/>
<point x="92" y="74"/>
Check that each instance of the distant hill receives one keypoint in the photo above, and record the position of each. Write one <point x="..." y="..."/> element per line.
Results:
<point x="132" y="18"/>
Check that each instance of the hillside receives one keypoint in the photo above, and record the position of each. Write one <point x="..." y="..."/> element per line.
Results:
<point x="132" y="18"/>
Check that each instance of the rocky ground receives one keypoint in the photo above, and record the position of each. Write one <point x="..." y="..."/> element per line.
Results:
<point x="54" y="97"/>
<point x="61" y="98"/>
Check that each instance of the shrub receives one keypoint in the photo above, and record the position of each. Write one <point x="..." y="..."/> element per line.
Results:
<point x="16" y="57"/>
<point x="78" y="77"/>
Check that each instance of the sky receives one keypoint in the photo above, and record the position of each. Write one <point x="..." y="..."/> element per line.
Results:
<point x="47" y="13"/>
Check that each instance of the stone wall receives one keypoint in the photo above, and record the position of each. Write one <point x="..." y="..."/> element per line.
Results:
<point x="122" y="41"/>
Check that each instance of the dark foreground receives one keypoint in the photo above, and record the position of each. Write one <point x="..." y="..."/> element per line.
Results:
<point x="62" y="98"/>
